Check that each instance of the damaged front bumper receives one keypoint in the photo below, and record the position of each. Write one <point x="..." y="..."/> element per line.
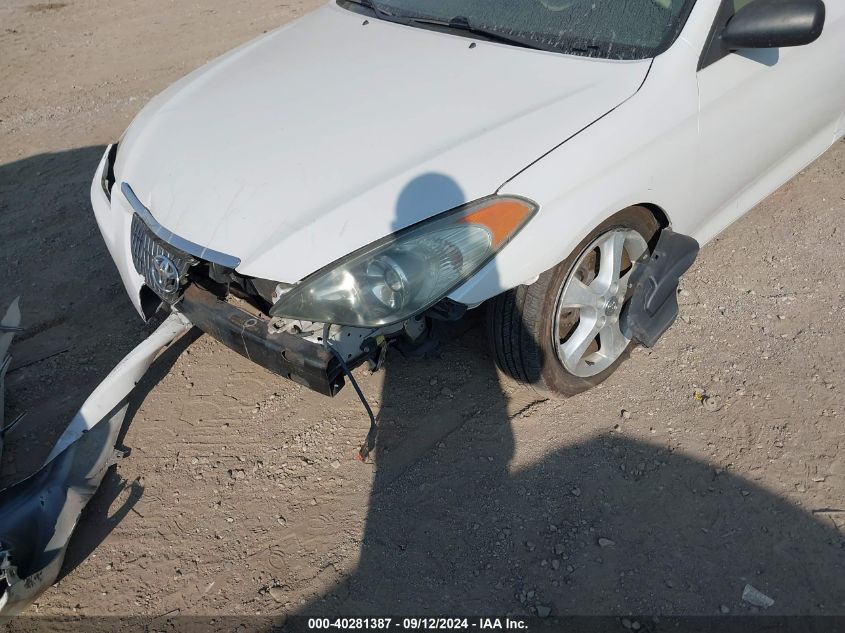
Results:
<point x="38" y="515"/>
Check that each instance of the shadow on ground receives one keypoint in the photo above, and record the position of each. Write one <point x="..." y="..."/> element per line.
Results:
<point x="607" y="525"/>
<point x="458" y="523"/>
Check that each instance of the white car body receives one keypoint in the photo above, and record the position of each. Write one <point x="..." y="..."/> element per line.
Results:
<point x="328" y="134"/>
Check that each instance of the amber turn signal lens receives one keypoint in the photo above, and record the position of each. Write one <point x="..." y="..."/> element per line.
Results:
<point x="503" y="218"/>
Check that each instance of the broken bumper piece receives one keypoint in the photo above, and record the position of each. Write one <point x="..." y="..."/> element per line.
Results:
<point x="38" y="515"/>
<point x="9" y="326"/>
<point x="284" y="354"/>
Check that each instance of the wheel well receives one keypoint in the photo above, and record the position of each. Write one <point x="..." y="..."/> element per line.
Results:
<point x="659" y="214"/>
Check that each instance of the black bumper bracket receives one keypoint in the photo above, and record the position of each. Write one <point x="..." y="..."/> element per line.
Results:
<point x="653" y="306"/>
<point x="284" y="354"/>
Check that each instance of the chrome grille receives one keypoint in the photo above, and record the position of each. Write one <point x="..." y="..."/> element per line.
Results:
<point x="163" y="267"/>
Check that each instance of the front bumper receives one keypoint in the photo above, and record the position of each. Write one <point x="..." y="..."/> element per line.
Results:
<point x="284" y="354"/>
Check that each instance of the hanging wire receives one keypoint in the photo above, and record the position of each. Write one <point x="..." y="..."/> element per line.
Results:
<point x="370" y="443"/>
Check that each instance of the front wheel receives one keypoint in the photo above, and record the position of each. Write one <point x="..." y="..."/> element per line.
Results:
<point x="562" y="333"/>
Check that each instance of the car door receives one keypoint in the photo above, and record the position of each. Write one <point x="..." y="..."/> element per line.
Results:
<point x="764" y="114"/>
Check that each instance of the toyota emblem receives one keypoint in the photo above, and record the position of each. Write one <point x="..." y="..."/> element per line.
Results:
<point x="164" y="276"/>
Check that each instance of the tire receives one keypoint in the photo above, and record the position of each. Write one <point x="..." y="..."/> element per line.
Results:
<point x="519" y="322"/>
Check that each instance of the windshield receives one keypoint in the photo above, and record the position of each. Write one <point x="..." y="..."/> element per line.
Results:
<point x="612" y="29"/>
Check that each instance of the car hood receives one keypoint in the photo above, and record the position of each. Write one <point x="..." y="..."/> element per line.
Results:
<point x="334" y="131"/>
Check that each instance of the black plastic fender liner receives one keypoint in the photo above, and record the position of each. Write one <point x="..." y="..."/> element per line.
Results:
<point x="653" y="306"/>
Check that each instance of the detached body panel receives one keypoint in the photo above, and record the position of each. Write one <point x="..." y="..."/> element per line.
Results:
<point x="40" y="513"/>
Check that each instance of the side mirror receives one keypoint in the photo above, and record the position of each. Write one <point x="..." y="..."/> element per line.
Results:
<point x="775" y="24"/>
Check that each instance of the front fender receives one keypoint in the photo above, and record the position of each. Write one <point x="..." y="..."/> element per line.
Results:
<point x="643" y="152"/>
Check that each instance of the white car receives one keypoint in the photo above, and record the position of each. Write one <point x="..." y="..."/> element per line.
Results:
<point x="344" y="181"/>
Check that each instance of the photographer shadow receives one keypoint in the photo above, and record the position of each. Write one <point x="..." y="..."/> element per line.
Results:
<point x="459" y="523"/>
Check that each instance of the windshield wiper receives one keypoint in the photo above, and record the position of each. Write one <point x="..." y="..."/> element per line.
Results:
<point x="462" y="23"/>
<point x="458" y="23"/>
<point x="375" y="8"/>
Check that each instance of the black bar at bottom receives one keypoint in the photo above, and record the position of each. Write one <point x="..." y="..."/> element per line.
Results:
<point x="307" y="624"/>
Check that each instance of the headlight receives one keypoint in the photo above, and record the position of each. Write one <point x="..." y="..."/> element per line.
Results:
<point x="406" y="273"/>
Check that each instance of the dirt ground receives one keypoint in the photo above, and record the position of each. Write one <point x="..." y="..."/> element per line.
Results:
<point x="241" y="496"/>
